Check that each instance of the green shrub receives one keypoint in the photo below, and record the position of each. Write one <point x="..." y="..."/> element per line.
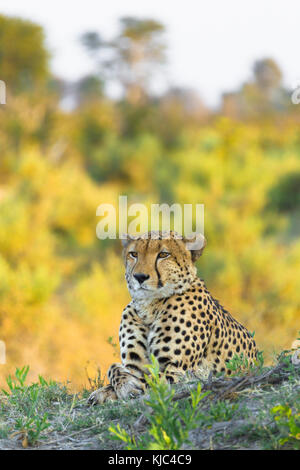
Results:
<point x="169" y="426"/>
<point x="285" y="195"/>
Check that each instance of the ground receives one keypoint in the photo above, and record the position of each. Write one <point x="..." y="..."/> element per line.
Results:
<point x="259" y="409"/>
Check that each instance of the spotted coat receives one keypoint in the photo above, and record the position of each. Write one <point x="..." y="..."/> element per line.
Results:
<point x="173" y="316"/>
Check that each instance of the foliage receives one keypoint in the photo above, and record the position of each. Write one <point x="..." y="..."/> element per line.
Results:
<point x="288" y="421"/>
<point x="169" y="425"/>
<point x="24" y="58"/>
<point x="285" y="195"/>
<point x="222" y="411"/>
<point x="131" y="56"/>
<point x="30" y="426"/>
<point x="19" y="381"/>
<point x="62" y="420"/>
<point x="239" y="363"/>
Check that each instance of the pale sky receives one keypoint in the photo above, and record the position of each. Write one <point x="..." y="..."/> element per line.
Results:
<point x="211" y="44"/>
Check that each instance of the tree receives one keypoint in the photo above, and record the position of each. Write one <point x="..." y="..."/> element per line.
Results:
<point x="267" y="75"/>
<point x="261" y="96"/>
<point x="88" y="89"/>
<point x="23" y="58"/>
<point x="132" y="57"/>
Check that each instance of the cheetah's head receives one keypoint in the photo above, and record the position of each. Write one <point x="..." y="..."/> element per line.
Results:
<point x="159" y="264"/>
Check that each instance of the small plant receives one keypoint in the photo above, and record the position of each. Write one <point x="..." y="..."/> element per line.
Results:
<point x="122" y="435"/>
<point x="222" y="411"/>
<point x="239" y="364"/>
<point x="96" y="381"/>
<point x="17" y="383"/>
<point x="169" y="426"/>
<point x="260" y="360"/>
<point x="288" y="422"/>
<point x="31" y="428"/>
<point x="44" y="383"/>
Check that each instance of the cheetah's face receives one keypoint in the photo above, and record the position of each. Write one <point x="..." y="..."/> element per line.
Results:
<point x="157" y="267"/>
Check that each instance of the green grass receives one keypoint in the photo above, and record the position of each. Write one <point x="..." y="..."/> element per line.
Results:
<point x="45" y="414"/>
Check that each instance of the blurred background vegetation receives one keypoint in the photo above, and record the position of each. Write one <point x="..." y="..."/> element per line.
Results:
<point x="61" y="289"/>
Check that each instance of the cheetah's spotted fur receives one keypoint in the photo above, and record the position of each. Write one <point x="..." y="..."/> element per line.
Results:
<point x="172" y="316"/>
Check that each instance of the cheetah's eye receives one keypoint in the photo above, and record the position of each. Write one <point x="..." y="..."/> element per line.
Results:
<point x="133" y="254"/>
<point x="163" y="254"/>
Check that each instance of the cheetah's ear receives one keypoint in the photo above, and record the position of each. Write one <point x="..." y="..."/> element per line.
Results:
<point x="195" y="244"/>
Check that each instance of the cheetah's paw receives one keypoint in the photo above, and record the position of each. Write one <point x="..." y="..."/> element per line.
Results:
<point x="102" y="395"/>
<point x="128" y="386"/>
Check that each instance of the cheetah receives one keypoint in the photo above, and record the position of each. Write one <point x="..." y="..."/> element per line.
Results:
<point x="171" y="315"/>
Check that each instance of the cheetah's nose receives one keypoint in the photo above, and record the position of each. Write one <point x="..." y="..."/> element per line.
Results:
<point x="141" y="277"/>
